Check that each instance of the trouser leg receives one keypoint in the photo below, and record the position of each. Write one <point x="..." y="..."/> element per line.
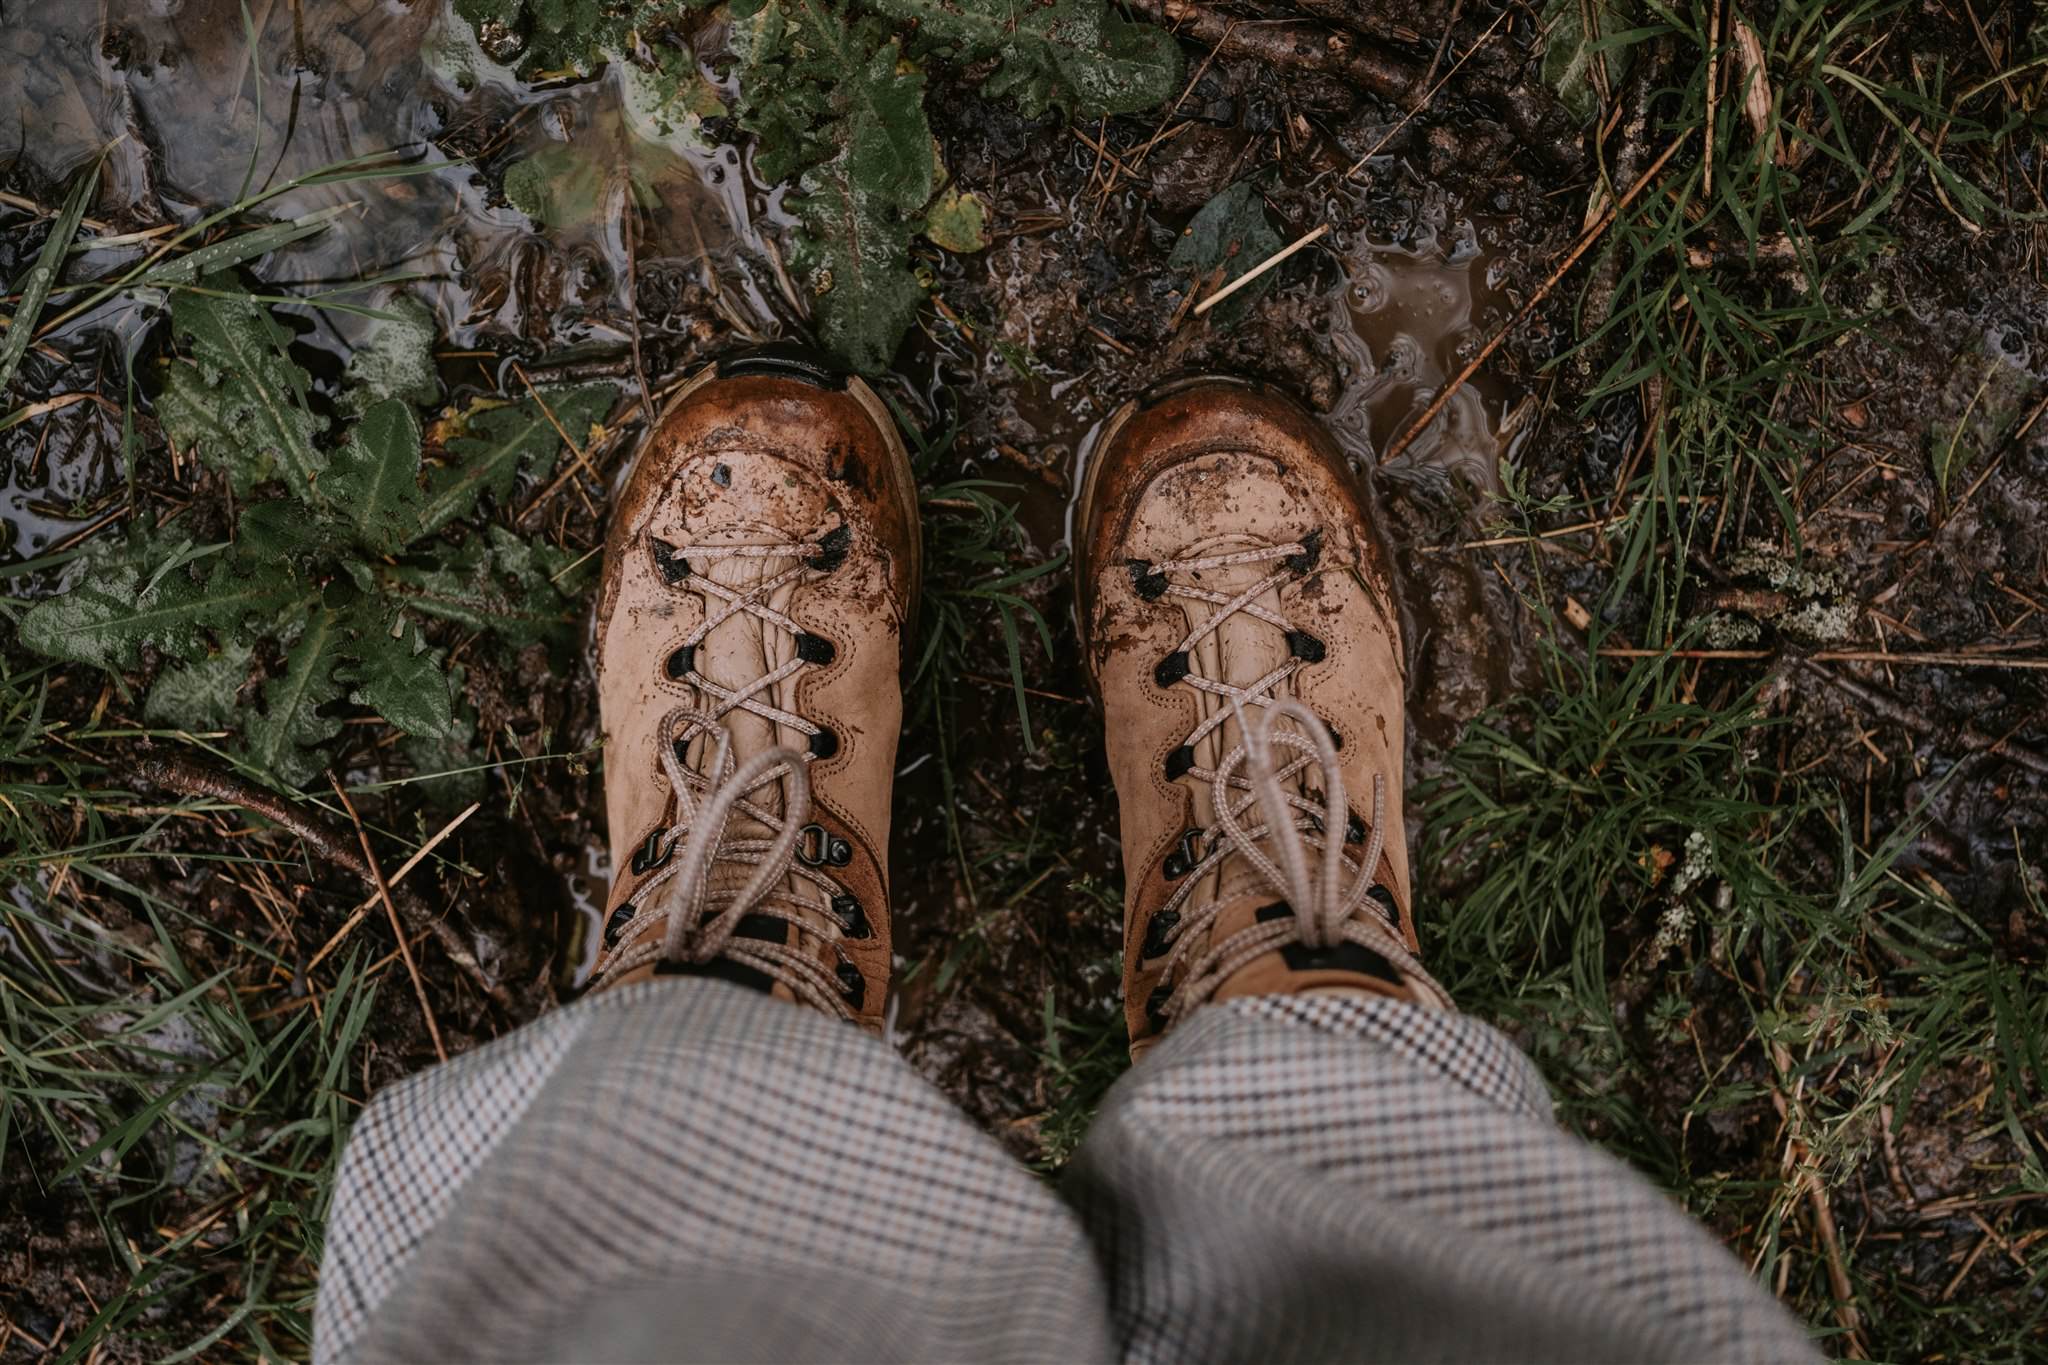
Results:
<point x="1315" y="1177"/>
<point x="690" y="1170"/>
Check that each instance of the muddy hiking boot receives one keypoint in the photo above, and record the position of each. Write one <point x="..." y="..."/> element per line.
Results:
<point x="1227" y="577"/>
<point x="761" y="563"/>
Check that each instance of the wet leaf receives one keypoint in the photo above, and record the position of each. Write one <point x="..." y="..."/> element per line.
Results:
<point x="401" y="679"/>
<point x="396" y="361"/>
<point x="204" y="694"/>
<point x="497" y="583"/>
<point x="561" y="35"/>
<point x="240" y="401"/>
<point x="1078" y="54"/>
<point x="127" y="600"/>
<point x="957" y="222"/>
<point x="374" y="481"/>
<point x="282" y="740"/>
<point x="500" y="440"/>
<point x="1230" y="231"/>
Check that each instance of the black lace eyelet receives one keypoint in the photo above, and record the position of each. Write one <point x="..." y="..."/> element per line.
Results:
<point x="814" y="649"/>
<point x="616" y="924"/>
<point x="1179" y="762"/>
<point x="818" y="847"/>
<point x="672" y="567"/>
<point x="682" y="662"/>
<point x="1184" y="857"/>
<point x="1146" y="581"/>
<point x="1155" y="1007"/>
<point x="651" y="855"/>
<point x="1305" y="646"/>
<point x="1354" y="831"/>
<point x="852" y="985"/>
<point x="832" y="549"/>
<point x="1172" y="668"/>
<point x="1157" y="933"/>
<point x="825" y="743"/>
<point x="1386" y="899"/>
<point x="853" y="921"/>
<point x="1311" y="551"/>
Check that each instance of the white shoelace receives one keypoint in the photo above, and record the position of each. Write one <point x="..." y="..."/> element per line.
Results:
<point x="1329" y="897"/>
<point x="703" y="919"/>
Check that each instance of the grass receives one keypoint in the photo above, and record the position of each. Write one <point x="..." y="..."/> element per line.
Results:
<point x="1731" y="974"/>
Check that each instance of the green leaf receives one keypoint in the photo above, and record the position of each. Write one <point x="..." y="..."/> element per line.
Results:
<point x="281" y="740"/>
<point x="240" y="402"/>
<point x="499" y="440"/>
<point x="1231" y="231"/>
<point x="1079" y="54"/>
<point x="852" y="255"/>
<point x="396" y="361"/>
<point x="957" y="222"/>
<point x="1570" y="52"/>
<point x="275" y="536"/>
<point x="402" y="680"/>
<point x="203" y="695"/>
<point x="114" y="610"/>
<point x="374" y="481"/>
<point x="496" y="583"/>
<point x="563" y="35"/>
<point x="42" y="276"/>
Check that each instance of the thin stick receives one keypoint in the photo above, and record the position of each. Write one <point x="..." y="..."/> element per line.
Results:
<point x="1306" y="239"/>
<point x="1429" y="94"/>
<point x="1585" y="242"/>
<point x="412" y="968"/>
<point x="399" y="876"/>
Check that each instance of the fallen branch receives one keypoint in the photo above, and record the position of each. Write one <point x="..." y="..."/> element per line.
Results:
<point x="191" y="779"/>
<point x="1527" y="109"/>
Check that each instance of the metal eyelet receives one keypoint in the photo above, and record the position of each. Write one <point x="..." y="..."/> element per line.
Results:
<point x="818" y="847"/>
<point x="1184" y="858"/>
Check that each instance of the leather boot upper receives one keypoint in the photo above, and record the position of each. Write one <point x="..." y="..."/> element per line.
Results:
<point x="761" y="563"/>
<point x="1224" y="564"/>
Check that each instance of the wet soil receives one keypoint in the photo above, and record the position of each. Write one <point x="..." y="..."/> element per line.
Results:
<point x="1440" y="228"/>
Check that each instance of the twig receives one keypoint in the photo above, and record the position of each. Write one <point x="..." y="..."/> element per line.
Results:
<point x="412" y="968"/>
<point x="1585" y="242"/>
<point x="1430" y="93"/>
<point x="1306" y="239"/>
<point x="191" y="779"/>
<point x="408" y="865"/>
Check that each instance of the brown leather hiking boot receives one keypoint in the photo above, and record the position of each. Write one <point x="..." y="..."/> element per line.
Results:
<point x="1227" y="575"/>
<point x="761" y="563"/>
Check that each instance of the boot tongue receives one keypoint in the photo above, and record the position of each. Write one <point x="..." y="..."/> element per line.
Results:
<point x="735" y="653"/>
<point x="1293" y="970"/>
<point x="1240" y="651"/>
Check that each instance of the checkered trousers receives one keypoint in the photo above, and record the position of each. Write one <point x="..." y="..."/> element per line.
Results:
<point x="689" y="1170"/>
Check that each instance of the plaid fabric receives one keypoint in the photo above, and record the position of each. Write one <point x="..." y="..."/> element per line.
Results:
<point x="688" y="1170"/>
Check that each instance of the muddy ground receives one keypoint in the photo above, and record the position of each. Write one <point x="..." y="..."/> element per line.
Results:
<point x="1442" y="226"/>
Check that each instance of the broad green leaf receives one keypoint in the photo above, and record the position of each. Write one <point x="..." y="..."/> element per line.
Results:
<point x="957" y="222"/>
<point x="42" y="276"/>
<point x="275" y="536"/>
<point x="1231" y="231"/>
<point x="1078" y="54"/>
<point x="202" y="695"/>
<point x="563" y="35"/>
<point x="116" y="608"/>
<point x="374" y="481"/>
<point x="495" y="583"/>
<point x="852" y="256"/>
<point x="240" y="401"/>
<point x="396" y="361"/>
<point x="499" y="440"/>
<point x="402" y="680"/>
<point x="281" y="741"/>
